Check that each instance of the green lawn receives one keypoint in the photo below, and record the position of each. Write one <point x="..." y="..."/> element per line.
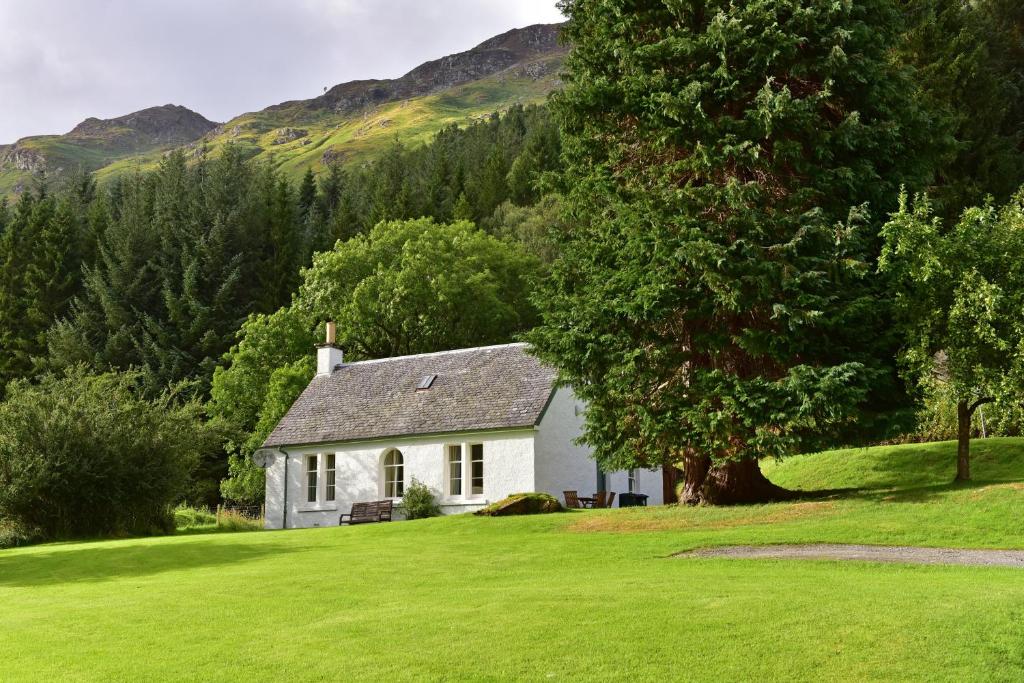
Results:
<point x="588" y="595"/>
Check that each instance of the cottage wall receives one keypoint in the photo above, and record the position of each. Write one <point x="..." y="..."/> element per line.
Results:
<point x="565" y="466"/>
<point x="648" y="482"/>
<point x="561" y="464"/>
<point x="508" y="468"/>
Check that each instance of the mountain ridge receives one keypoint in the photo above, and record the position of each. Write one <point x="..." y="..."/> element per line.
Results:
<point x="349" y="122"/>
<point x="488" y="58"/>
<point x="168" y="124"/>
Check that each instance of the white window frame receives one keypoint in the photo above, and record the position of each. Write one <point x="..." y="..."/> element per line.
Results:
<point x="631" y="480"/>
<point x="312" y="483"/>
<point x="453" y="467"/>
<point x="468" y="477"/>
<point x="399" y="482"/>
<point x="330" y="461"/>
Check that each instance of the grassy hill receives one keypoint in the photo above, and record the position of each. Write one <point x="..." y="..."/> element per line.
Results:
<point x="906" y="468"/>
<point x="97" y="143"/>
<point x="350" y="123"/>
<point x="584" y="595"/>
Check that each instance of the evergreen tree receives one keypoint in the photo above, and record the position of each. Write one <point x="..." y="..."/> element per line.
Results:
<point x="307" y="193"/>
<point x="970" y="62"/>
<point x="463" y="210"/>
<point x="39" y="274"/>
<point x="721" y="159"/>
<point x="5" y="215"/>
<point x="185" y="254"/>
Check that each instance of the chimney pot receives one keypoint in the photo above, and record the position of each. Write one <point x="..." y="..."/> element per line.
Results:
<point x="328" y="356"/>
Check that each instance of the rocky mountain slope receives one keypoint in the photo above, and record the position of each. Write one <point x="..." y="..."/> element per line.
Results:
<point x="154" y="127"/>
<point x="501" y="53"/>
<point x="349" y="123"/>
<point x="95" y="143"/>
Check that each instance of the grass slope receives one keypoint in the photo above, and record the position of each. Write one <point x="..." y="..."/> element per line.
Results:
<point x="358" y="138"/>
<point x="348" y="139"/>
<point x="585" y="595"/>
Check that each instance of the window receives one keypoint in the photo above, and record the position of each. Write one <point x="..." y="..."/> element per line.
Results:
<point x="631" y="483"/>
<point x="476" y="475"/>
<point x="329" y="477"/>
<point x="312" y="477"/>
<point x="455" y="470"/>
<point x="394" y="475"/>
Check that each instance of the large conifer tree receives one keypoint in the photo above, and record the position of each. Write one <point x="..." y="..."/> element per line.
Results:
<point x="724" y="159"/>
<point x="40" y="272"/>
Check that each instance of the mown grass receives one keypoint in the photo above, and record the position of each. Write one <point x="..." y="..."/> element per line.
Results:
<point x="586" y="595"/>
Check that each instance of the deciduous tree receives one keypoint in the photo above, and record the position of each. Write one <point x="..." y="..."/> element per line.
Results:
<point x="960" y="296"/>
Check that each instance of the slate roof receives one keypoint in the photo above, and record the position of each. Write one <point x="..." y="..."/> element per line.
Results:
<point x="491" y="387"/>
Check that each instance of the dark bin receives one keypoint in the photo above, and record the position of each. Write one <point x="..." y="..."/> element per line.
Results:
<point x="631" y="500"/>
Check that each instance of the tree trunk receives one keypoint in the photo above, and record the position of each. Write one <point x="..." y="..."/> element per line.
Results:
<point x="728" y="483"/>
<point x="741" y="481"/>
<point x="669" y="480"/>
<point x="695" y="471"/>
<point x="963" y="441"/>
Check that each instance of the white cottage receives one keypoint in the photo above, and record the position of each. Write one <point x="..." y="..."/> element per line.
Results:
<point x="475" y="425"/>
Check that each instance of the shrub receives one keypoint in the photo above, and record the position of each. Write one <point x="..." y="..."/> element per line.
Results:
<point x="233" y="520"/>
<point x="418" y="501"/>
<point x="937" y="419"/>
<point x="13" y="535"/>
<point x="88" y="455"/>
<point x="522" y="504"/>
<point x="186" y="517"/>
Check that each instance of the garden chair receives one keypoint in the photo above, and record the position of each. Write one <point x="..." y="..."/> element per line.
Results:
<point x="572" y="500"/>
<point x="611" y="499"/>
<point x="599" y="499"/>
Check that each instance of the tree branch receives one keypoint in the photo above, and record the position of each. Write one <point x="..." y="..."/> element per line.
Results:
<point x="980" y="402"/>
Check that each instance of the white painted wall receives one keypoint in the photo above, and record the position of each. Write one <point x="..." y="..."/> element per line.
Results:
<point x="561" y="464"/>
<point x="508" y="468"/>
<point x="541" y="459"/>
<point x="648" y="482"/>
<point x="274" y="510"/>
<point x="565" y="466"/>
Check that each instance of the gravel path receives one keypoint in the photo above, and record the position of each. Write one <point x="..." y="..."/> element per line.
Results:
<point x="866" y="553"/>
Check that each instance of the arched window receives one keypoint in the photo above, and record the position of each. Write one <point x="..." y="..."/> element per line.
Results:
<point x="394" y="474"/>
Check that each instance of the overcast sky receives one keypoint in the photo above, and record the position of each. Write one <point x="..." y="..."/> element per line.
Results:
<point x="64" y="60"/>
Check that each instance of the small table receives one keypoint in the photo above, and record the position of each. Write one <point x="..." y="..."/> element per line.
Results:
<point x="586" y="502"/>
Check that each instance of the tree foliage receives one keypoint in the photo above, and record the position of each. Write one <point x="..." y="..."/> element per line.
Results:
<point x="723" y="160"/>
<point x="960" y="298"/>
<point x="405" y="287"/>
<point x="157" y="271"/>
<point x="89" y="455"/>
<point x="42" y="247"/>
<point x="190" y="251"/>
<point x="969" y="60"/>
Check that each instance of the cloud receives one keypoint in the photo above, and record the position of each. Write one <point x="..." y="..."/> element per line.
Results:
<point x="64" y="60"/>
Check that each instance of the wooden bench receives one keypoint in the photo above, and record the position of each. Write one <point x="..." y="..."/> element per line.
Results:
<point x="365" y="513"/>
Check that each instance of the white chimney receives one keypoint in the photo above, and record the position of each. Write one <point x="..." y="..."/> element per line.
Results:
<point x="328" y="356"/>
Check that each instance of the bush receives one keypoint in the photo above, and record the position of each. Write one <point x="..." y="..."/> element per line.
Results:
<point x="13" y="535"/>
<point x="937" y="420"/>
<point x="418" y="501"/>
<point x="186" y="517"/>
<point x="88" y="455"/>
<point x="522" y="504"/>
<point x="233" y="520"/>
